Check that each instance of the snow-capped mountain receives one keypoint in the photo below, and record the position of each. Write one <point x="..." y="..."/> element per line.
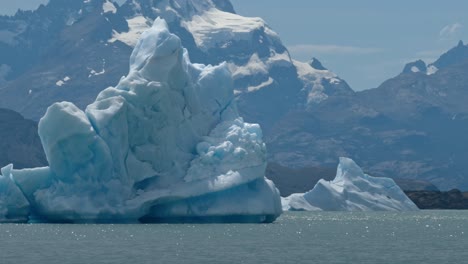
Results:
<point x="453" y="57"/>
<point x="59" y="52"/>
<point x="19" y="136"/>
<point x="413" y="126"/>
<point x="68" y="50"/>
<point x="319" y="82"/>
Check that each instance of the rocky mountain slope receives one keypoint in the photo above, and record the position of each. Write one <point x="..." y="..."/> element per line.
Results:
<point x="70" y="49"/>
<point x="20" y="143"/>
<point x="413" y="126"/>
<point x="453" y="199"/>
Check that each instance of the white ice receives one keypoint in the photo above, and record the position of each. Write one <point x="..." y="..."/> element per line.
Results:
<point x="137" y="25"/>
<point x="108" y="6"/>
<point x="351" y="190"/>
<point x="165" y="144"/>
<point x="313" y="81"/>
<point x="13" y="205"/>
<point x="215" y="27"/>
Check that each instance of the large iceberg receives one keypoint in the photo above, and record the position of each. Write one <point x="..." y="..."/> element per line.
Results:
<point x="351" y="190"/>
<point x="165" y="145"/>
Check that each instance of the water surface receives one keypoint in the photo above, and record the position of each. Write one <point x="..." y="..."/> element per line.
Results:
<point x="377" y="237"/>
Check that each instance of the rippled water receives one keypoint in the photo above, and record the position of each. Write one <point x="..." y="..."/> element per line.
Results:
<point x="421" y="237"/>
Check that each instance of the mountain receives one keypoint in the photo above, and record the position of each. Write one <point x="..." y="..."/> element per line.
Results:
<point x="411" y="127"/>
<point x="20" y="142"/>
<point x="59" y="52"/>
<point x="70" y="49"/>
<point x="453" y="199"/>
<point x="430" y="109"/>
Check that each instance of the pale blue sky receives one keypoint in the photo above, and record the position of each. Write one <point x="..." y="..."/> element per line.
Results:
<point x="364" y="41"/>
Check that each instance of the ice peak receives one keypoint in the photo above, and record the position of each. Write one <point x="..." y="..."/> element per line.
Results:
<point x="158" y="50"/>
<point x="460" y="43"/>
<point x="348" y="169"/>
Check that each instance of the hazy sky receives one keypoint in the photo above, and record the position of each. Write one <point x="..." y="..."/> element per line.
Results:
<point x="364" y="41"/>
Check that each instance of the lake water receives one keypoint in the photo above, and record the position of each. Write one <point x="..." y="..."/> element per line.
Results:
<point x="419" y="237"/>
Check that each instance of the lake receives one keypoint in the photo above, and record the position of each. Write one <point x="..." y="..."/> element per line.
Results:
<point x="296" y="237"/>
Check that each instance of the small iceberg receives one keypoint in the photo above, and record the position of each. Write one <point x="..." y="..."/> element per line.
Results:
<point x="351" y="190"/>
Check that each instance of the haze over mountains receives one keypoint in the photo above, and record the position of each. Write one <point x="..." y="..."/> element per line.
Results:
<point x="413" y="126"/>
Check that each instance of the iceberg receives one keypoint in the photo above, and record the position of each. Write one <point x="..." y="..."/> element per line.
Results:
<point x="13" y="205"/>
<point x="351" y="190"/>
<point x="165" y="145"/>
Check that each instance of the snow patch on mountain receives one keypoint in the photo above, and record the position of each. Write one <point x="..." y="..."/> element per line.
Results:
<point x="109" y="7"/>
<point x="260" y="86"/>
<point x="63" y="81"/>
<point x="216" y="28"/>
<point x="313" y="80"/>
<point x="254" y="66"/>
<point x="137" y="25"/>
<point x="93" y="72"/>
<point x="431" y="69"/>
<point x="279" y="59"/>
<point x="257" y="66"/>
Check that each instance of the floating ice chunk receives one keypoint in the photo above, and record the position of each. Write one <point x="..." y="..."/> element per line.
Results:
<point x="351" y="190"/>
<point x="297" y="202"/>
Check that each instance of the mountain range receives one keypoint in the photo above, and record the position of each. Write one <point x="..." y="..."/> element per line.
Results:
<point x="412" y="127"/>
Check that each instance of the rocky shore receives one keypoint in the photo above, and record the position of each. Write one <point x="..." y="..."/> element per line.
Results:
<point x="454" y="199"/>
